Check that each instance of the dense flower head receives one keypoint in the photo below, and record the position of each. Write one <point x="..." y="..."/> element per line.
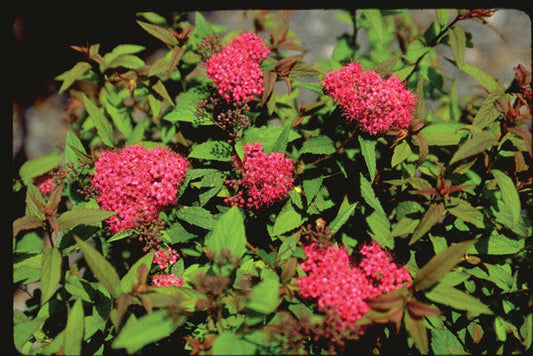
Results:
<point x="340" y="287"/>
<point x="266" y="178"/>
<point x="236" y="68"/>
<point x="376" y="104"/>
<point x="165" y="258"/>
<point x="137" y="183"/>
<point x="45" y="183"/>
<point x="167" y="279"/>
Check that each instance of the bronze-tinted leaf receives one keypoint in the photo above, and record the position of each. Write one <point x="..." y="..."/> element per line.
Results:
<point x="430" y="219"/>
<point x="392" y="300"/>
<point x="27" y="222"/>
<point x="418" y="309"/>
<point x="441" y="264"/>
<point x="417" y="330"/>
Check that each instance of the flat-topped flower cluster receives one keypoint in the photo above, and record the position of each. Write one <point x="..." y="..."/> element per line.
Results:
<point x="341" y="287"/>
<point x="236" y="68"/>
<point x="137" y="183"/>
<point x="376" y="104"/>
<point x="266" y="178"/>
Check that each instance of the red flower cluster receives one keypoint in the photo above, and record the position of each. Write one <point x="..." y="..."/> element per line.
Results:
<point x="137" y="183"/>
<point x="236" y="70"/>
<point x="166" y="257"/>
<point x="341" y="288"/>
<point x="266" y="178"/>
<point x="45" y="183"/>
<point x="162" y="280"/>
<point x="374" y="103"/>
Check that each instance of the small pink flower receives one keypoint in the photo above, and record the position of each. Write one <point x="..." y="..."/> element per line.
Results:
<point x="266" y="178"/>
<point x="376" y="104"/>
<point x="45" y="183"/>
<point x="236" y="68"/>
<point x="137" y="183"/>
<point x="166" y="257"/>
<point x="161" y="280"/>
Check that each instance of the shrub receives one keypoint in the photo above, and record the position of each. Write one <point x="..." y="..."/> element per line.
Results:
<point x="197" y="206"/>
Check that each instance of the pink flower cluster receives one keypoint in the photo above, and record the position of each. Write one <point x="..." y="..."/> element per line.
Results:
<point x="165" y="258"/>
<point x="164" y="279"/>
<point x="137" y="183"/>
<point x="374" y="103"/>
<point x="341" y="288"/>
<point x="236" y="68"/>
<point x="266" y="178"/>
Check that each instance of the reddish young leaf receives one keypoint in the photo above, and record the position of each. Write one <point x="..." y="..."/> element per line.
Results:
<point x="418" y="309"/>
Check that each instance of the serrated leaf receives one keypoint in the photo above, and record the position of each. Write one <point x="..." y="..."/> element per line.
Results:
<point x="368" y="150"/>
<point x="510" y="196"/>
<point x="82" y="216"/>
<point x="404" y="226"/>
<point x="104" y="272"/>
<point x="160" y="33"/>
<point x="122" y="49"/>
<point x="488" y="82"/>
<point x="160" y="89"/>
<point x="196" y="216"/>
<point x="401" y="152"/>
<point x="497" y="244"/>
<point x="462" y="210"/>
<point x="128" y="61"/>
<point x="321" y="145"/>
<point x="418" y="332"/>
<point x="376" y="21"/>
<point x="74" y="74"/>
<point x="73" y="335"/>
<point x="102" y="124"/>
<point x="440" y="264"/>
<point x="265" y="296"/>
<point x="50" y="272"/>
<point x="27" y="222"/>
<point x="344" y="213"/>
<point x="130" y="279"/>
<point x="487" y="113"/>
<point x="74" y="149"/>
<point x="448" y="295"/>
<point x="228" y="233"/>
<point x="133" y="336"/>
<point x="443" y="134"/>
<point x="185" y="108"/>
<point x="385" y="67"/>
<point x="287" y="220"/>
<point x="38" y="166"/>
<point x="479" y="142"/>
<point x="212" y="150"/>
<point x="458" y="44"/>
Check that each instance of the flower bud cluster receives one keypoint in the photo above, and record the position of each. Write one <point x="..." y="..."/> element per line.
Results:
<point x="376" y="104"/>
<point x="340" y="287"/>
<point x="236" y="68"/>
<point x="266" y="178"/>
<point x="137" y="183"/>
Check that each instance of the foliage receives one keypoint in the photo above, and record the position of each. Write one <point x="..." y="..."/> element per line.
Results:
<point x="447" y="196"/>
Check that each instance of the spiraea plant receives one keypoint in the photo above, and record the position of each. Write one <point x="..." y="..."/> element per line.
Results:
<point x="202" y="205"/>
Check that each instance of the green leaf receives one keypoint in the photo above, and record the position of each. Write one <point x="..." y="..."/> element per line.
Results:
<point x="489" y="83"/>
<point x="228" y="233"/>
<point x="458" y="44"/>
<point x="134" y="336"/>
<point x="401" y="152"/>
<point x="73" y="336"/>
<point x="212" y="150"/>
<point x="418" y="332"/>
<point x="509" y="194"/>
<point x="287" y="220"/>
<point x="487" y="113"/>
<point x="160" y="33"/>
<point x="185" y="108"/>
<point x="321" y="145"/>
<point x="442" y="16"/>
<point x="368" y="150"/>
<point x="385" y="67"/>
<point x="74" y="149"/>
<point x="50" y="272"/>
<point x="120" y="50"/>
<point x="104" y="272"/>
<point x="27" y="222"/>
<point x="280" y="145"/>
<point x="160" y="89"/>
<point x="440" y="264"/>
<point x="82" y="216"/>
<point x="102" y="124"/>
<point x="178" y="234"/>
<point x="497" y="244"/>
<point x="479" y="142"/>
<point x="196" y="216"/>
<point x="267" y="135"/>
<point x="201" y="27"/>
<point x="345" y="211"/>
<point x="404" y="226"/>
<point x="443" y="134"/>
<point x="22" y="332"/>
<point x="120" y="116"/>
<point x="127" y="61"/>
<point x="265" y="298"/>
<point x="462" y="210"/>
<point x="130" y="279"/>
<point x="415" y="50"/>
<point x="448" y="295"/>
<point x="38" y="166"/>
<point x="74" y="74"/>
<point x="226" y="343"/>
<point x="376" y="21"/>
<point x="312" y="187"/>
